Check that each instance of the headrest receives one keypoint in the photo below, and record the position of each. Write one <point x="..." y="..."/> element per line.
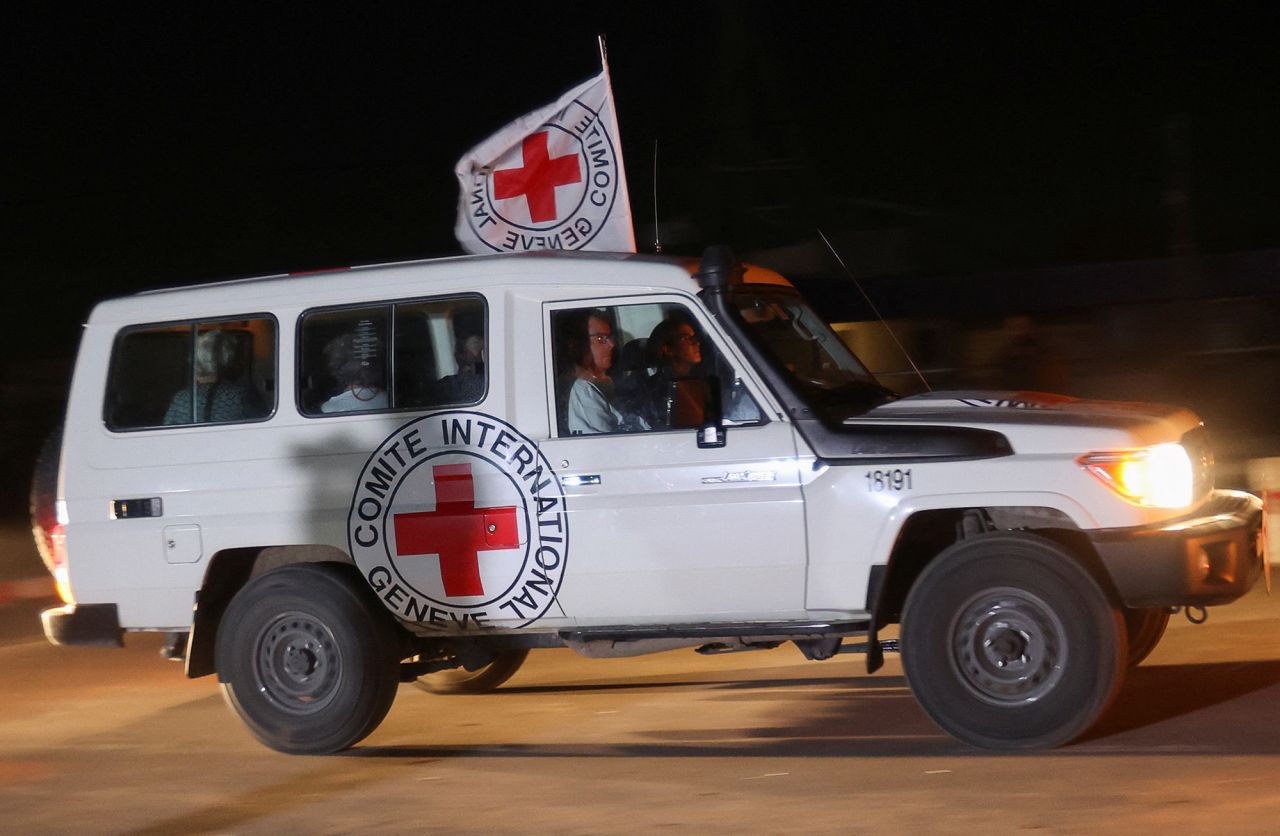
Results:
<point x="634" y="355"/>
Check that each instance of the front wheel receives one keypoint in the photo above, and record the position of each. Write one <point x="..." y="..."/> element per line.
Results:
<point x="480" y="681"/>
<point x="308" y="663"/>
<point x="1009" y="643"/>
<point x="1145" y="628"/>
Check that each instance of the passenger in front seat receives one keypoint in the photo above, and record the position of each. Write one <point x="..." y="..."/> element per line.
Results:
<point x="591" y="407"/>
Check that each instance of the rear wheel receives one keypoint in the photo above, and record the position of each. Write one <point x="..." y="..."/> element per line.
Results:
<point x="1145" y="627"/>
<point x="308" y="663"/>
<point x="1009" y="643"/>
<point x="480" y="681"/>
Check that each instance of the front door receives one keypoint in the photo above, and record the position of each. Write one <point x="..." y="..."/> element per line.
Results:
<point x="660" y="530"/>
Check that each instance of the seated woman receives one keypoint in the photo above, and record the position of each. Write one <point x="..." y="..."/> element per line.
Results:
<point x="223" y="390"/>
<point x="591" y="409"/>
<point x="355" y="361"/>
<point x="677" y="348"/>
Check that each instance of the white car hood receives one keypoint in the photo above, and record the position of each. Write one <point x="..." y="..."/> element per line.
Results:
<point x="1037" y="412"/>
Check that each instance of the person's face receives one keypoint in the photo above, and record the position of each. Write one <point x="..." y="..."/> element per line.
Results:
<point x="686" y="350"/>
<point x="600" y="339"/>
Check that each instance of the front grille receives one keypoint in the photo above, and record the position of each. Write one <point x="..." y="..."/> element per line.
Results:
<point x="1196" y="443"/>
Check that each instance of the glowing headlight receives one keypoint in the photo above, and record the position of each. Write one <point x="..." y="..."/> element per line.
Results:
<point x="1159" y="476"/>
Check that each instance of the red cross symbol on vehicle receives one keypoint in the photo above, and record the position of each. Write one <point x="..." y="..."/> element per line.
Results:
<point x="457" y="530"/>
<point x="538" y="179"/>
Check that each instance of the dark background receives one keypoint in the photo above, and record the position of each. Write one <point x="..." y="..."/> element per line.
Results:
<point x="958" y="157"/>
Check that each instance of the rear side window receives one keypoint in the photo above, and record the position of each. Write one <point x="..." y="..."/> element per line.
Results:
<point x="189" y="373"/>
<point x="393" y="356"/>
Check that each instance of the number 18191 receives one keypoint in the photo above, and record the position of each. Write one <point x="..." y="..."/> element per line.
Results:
<point x="888" y="480"/>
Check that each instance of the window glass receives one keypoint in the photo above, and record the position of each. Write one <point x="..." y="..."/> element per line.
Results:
<point x="437" y="357"/>
<point x="441" y="351"/>
<point x="343" y="361"/>
<point x="803" y="346"/>
<point x="192" y="373"/>
<point x="640" y="368"/>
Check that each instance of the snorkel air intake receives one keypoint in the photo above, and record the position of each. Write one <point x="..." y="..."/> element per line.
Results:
<point x="718" y="269"/>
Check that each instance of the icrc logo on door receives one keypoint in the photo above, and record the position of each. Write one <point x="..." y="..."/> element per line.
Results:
<point x="457" y="520"/>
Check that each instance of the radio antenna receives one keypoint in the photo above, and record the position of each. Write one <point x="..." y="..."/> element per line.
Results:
<point x="657" y="240"/>
<point x="876" y="311"/>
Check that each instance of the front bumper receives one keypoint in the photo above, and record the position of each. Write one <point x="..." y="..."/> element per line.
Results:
<point x="84" y="624"/>
<point x="1211" y="556"/>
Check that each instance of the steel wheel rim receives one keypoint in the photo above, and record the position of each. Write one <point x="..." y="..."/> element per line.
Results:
<point x="1008" y="646"/>
<point x="298" y="665"/>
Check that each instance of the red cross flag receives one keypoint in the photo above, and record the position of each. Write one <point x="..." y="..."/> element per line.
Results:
<point x="550" y="180"/>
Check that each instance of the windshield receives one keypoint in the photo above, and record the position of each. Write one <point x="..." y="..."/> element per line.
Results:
<point x="802" y="346"/>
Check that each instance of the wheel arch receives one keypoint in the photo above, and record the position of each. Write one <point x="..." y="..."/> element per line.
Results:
<point x="229" y="570"/>
<point x="924" y="534"/>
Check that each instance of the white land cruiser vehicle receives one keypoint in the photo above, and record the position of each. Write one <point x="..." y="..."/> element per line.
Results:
<point x="326" y="485"/>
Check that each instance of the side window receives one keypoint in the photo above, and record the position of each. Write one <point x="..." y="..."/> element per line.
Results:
<point x="441" y="349"/>
<point x="437" y="356"/>
<point x="192" y="373"/>
<point x="639" y="368"/>
<point x="343" y="361"/>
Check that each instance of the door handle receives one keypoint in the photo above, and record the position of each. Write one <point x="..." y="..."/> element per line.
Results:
<point x="578" y="481"/>
<point x="125" y="509"/>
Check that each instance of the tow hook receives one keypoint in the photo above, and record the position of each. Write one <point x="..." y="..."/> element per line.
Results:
<point x="1196" y="615"/>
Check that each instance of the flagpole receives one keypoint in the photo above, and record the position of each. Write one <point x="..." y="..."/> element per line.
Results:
<point x="657" y="239"/>
<point x="604" y="71"/>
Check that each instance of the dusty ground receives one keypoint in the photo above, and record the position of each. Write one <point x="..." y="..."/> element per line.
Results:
<point x="117" y="741"/>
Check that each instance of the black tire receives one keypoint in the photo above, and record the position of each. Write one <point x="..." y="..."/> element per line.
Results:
<point x="482" y="681"/>
<point x="1009" y="643"/>
<point x="1145" y="627"/>
<point x="306" y="660"/>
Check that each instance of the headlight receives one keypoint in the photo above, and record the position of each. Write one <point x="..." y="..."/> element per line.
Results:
<point x="1158" y="477"/>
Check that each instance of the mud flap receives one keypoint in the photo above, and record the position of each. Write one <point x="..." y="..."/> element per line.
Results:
<point x="875" y="653"/>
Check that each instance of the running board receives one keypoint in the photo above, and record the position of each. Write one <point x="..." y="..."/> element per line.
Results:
<point x="760" y="631"/>
<point x="608" y="642"/>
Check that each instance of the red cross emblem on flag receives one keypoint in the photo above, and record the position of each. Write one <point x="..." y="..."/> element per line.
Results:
<point x="537" y="179"/>
<point x="457" y="530"/>
<point x="551" y="179"/>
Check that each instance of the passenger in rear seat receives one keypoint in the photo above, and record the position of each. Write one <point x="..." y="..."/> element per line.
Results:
<point x="223" y="389"/>
<point x="356" y="362"/>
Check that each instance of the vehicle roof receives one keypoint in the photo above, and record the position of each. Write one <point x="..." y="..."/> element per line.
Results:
<point x="457" y="274"/>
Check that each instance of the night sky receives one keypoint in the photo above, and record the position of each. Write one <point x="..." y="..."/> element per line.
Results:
<point x="182" y="143"/>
